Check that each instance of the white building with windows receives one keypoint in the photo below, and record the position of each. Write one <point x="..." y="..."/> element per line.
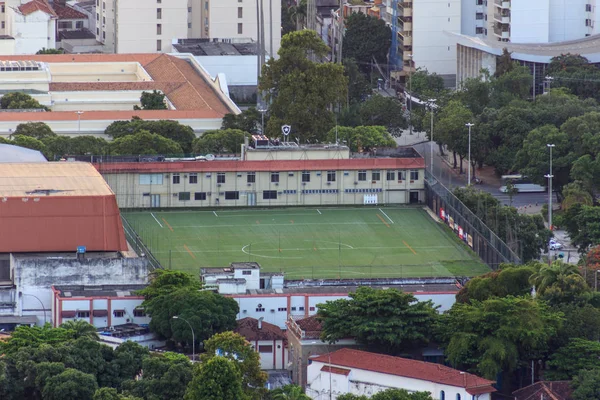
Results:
<point x="363" y="373"/>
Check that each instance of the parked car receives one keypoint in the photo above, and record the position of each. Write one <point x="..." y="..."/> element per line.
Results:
<point x="554" y="245"/>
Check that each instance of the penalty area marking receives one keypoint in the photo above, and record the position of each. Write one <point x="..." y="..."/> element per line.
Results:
<point x="156" y="220"/>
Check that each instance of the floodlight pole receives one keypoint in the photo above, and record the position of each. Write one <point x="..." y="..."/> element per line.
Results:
<point x="550" y="176"/>
<point x="432" y="144"/>
<point x="469" y="166"/>
<point x="410" y="128"/>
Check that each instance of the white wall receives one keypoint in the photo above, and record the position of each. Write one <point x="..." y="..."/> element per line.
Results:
<point x="32" y="32"/>
<point x="239" y="70"/>
<point x="432" y="48"/>
<point x="301" y="305"/>
<point x="276" y="359"/>
<point x="362" y="382"/>
<point x="530" y="21"/>
<point x="223" y="20"/>
<point x="102" y="304"/>
<point x="567" y="19"/>
<point x="136" y="22"/>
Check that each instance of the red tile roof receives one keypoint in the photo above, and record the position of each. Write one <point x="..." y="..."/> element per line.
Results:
<point x="552" y="390"/>
<point x="66" y="12"/>
<point x="335" y="370"/>
<point x="37" y="5"/>
<point x="188" y="88"/>
<point x="248" y="328"/>
<point x="407" y="368"/>
<point x="311" y="327"/>
<point x="265" y="165"/>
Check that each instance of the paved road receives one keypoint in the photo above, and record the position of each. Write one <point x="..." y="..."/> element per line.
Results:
<point x="449" y="178"/>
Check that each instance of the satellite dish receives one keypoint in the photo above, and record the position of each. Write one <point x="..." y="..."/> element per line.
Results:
<point x="210" y="157"/>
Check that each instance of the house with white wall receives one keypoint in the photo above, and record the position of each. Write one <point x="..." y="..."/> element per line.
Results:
<point x="32" y="25"/>
<point x="267" y="339"/>
<point x="364" y="373"/>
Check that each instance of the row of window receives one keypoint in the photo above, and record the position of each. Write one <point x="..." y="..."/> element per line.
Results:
<point x="270" y="194"/>
<point x="320" y="191"/>
<point x="331" y="176"/>
<point x="367" y="190"/>
<point x="116" y="313"/>
<point x="284" y="309"/>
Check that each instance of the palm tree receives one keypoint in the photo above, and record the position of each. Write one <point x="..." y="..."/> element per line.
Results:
<point x="548" y="275"/>
<point x="80" y="329"/>
<point x="298" y="14"/>
<point x="289" y="392"/>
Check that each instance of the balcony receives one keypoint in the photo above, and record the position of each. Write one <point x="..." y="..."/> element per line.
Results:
<point x="502" y="3"/>
<point x="502" y="18"/>
<point x="406" y="56"/>
<point x="502" y="32"/>
<point x="406" y="41"/>
<point x="405" y="12"/>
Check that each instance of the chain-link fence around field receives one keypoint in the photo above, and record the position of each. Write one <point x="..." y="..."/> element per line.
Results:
<point x="490" y="248"/>
<point x="135" y="241"/>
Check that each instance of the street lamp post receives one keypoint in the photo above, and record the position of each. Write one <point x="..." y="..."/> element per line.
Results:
<point x="432" y="144"/>
<point x="262" y="113"/>
<point x="469" y="166"/>
<point x="410" y="128"/>
<point x="41" y="303"/>
<point x="193" y="336"/>
<point x="550" y="176"/>
<point x="79" y="121"/>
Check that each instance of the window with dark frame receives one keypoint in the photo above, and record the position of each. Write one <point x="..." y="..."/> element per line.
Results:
<point x="391" y="175"/>
<point x="193" y="178"/>
<point x="375" y="175"/>
<point x="119" y="313"/>
<point x="200" y="196"/>
<point x="176" y="179"/>
<point x="232" y="195"/>
<point x="274" y="177"/>
<point x="414" y="175"/>
<point x="362" y="175"/>
<point x="220" y="177"/>
<point x="184" y="196"/>
<point x="251" y="177"/>
<point x="269" y="194"/>
<point x="305" y="176"/>
<point x="331" y="176"/>
<point x="83" y="314"/>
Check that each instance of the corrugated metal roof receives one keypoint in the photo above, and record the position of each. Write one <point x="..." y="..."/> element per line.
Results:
<point x="51" y="179"/>
<point x="266" y="165"/>
<point x="11" y="154"/>
<point x="54" y="207"/>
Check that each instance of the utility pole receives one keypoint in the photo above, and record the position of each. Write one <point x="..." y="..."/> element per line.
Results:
<point x="469" y="166"/>
<point x="550" y="176"/>
<point x="340" y="32"/>
<point x="410" y="127"/>
<point x="432" y="143"/>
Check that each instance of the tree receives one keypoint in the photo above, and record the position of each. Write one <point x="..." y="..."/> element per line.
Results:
<point x="362" y="138"/>
<point x="182" y="134"/>
<point x="20" y="100"/>
<point x="583" y="225"/>
<point x="366" y="38"/>
<point x="81" y="328"/>
<point x="380" y="319"/>
<point x="586" y="385"/>
<point x="451" y="130"/>
<point x="238" y="350"/>
<point x="217" y="379"/>
<point x="177" y="294"/>
<point x="70" y="385"/>
<point x="508" y="280"/>
<point x="359" y="87"/>
<point x="36" y="130"/>
<point x="289" y="392"/>
<point x="154" y="100"/>
<point x="221" y="141"/>
<point x="577" y="355"/>
<point x="425" y="85"/>
<point x="475" y="93"/>
<point x="301" y="92"/>
<point x="165" y="377"/>
<point x="383" y="111"/>
<point x="549" y="275"/>
<point x="28" y="142"/>
<point x="144" y="143"/>
<point x="50" y="51"/>
<point x="34" y="336"/>
<point x="248" y="121"/>
<point x="498" y="334"/>
<point x="511" y="190"/>
<point x="390" y="394"/>
<point x="504" y="63"/>
<point x="574" y="193"/>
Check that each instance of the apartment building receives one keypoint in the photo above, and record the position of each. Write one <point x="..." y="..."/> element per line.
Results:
<point x="148" y="26"/>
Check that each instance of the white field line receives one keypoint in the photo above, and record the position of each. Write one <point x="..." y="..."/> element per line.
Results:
<point x="318" y="211"/>
<point x="386" y="215"/>
<point x="156" y="220"/>
<point x="214" y="212"/>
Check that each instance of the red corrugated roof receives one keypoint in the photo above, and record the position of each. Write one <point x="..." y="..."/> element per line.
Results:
<point x="407" y="368"/>
<point x="266" y="165"/>
<point x="56" y="221"/>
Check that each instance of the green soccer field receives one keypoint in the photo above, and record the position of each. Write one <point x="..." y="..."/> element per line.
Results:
<point x="308" y="242"/>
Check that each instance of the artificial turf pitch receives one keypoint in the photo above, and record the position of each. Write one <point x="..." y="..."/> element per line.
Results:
<point x="308" y="242"/>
